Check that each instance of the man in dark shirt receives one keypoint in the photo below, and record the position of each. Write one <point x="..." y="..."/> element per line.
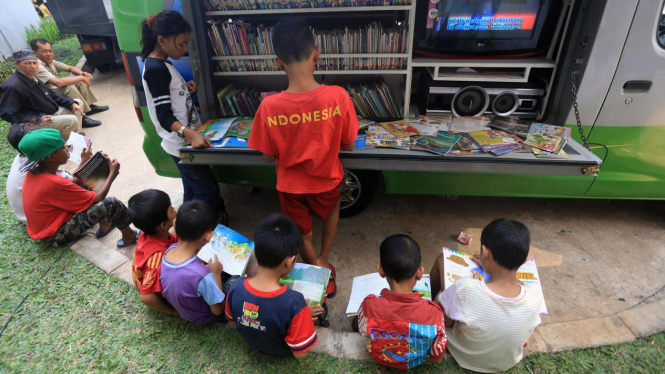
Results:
<point x="23" y="98"/>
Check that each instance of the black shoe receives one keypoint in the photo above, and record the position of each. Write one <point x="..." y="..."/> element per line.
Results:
<point x="94" y="109"/>
<point x="89" y="122"/>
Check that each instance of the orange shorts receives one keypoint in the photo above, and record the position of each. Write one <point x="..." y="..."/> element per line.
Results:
<point x="299" y="207"/>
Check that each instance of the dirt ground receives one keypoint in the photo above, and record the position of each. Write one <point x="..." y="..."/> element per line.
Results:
<point x="595" y="257"/>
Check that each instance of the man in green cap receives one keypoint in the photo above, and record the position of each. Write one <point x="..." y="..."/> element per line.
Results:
<point x="59" y="209"/>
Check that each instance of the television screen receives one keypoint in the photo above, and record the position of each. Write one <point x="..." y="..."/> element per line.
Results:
<point x="445" y="25"/>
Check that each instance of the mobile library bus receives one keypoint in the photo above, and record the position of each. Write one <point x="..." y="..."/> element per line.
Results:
<point x="544" y="60"/>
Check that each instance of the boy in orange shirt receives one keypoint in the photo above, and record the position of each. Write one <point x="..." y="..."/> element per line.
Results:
<point x="151" y="212"/>
<point x="304" y="128"/>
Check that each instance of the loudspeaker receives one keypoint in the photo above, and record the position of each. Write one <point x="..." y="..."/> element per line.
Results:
<point x="470" y="99"/>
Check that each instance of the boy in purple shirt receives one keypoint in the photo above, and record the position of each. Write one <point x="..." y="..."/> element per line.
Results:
<point x="193" y="288"/>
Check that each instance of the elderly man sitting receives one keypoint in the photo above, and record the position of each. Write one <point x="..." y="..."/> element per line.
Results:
<point x="23" y="98"/>
<point x="76" y="86"/>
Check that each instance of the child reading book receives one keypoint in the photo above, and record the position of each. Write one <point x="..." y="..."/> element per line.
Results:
<point x="304" y="128"/>
<point x="170" y="105"/>
<point x="488" y="322"/>
<point x="403" y="329"/>
<point x="56" y="208"/>
<point x="193" y="288"/>
<point x="151" y="212"/>
<point x="271" y="318"/>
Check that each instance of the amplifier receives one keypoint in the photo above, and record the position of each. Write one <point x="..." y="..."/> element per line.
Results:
<point x="470" y="99"/>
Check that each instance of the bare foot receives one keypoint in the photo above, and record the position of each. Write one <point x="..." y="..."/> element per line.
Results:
<point x="322" y="262"/>
<point x="104" y="225"/>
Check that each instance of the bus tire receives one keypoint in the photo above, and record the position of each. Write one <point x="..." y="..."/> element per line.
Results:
<point x="356" y="192"/>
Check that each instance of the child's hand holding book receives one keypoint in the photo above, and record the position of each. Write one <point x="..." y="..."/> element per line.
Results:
<point x="315" y="310"/>
<point x="215" y="267"/>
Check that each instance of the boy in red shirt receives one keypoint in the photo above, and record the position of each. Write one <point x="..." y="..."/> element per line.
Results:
<point x="151" y="212"/>
<point x="403" y="329"/>
<point x="58" y="209"/>
<point x="304" y="128"/>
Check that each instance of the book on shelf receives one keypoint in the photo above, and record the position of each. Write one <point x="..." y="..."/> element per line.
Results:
<point x="458" y="264"/>
<point x="362" y="122"/>
<point x="372" y="99"/>
<point x="371" y="38"/>
<point x="361" y="142"/>
<point x="373" y="284"/>
<point x="231" y="248"/>
<point x="229" y="5"/>
<point x="309" y="280"/>
<point x="215" y="129"/>
<point x="241" y="127"/>
<point x="511" y="125"/>
<point x="400" y="128"/>
<point x="440" y="144"/>
<point x="94" y="172"/>
<point x="493" y="140"/>
<point x="236" y="102"/>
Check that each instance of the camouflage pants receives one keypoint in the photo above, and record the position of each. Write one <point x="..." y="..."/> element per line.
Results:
<point x="110" y="209"/>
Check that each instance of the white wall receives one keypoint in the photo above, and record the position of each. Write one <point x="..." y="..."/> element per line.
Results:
<point x="15" y="16"/>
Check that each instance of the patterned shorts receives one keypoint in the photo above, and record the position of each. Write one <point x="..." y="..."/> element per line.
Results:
<point x="110" y="209"/>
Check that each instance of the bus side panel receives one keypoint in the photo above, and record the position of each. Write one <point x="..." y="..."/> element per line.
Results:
<point x="263" y="176"/>
<point x="429" y="183"/>
<point x="635" y="165"/>
<point x="127" y="16"/>
<point x="152" y="147"/>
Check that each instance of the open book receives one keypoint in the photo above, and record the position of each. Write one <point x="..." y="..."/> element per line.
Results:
<point x="94" y="172"/>
<point x="78" y="143"/>
<point x="458" y="264"/>
<point x="372" y="284"/>
<point x="310" y="280"/>
<point x="231" y="248"/>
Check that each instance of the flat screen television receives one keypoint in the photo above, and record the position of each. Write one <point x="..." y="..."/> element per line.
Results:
<point x="484" y="27"/>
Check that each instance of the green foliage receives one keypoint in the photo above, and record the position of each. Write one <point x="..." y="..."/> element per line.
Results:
<point x="46" y="29"/>
<point x="6" y="68"/>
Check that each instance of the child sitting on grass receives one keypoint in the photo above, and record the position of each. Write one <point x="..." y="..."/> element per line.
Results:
<point x="151" y="212"/>
<point x="489" y="322"/>
<point x="402" y="328"/>
<point x="271" y="318"/>
<point x="56" y="208"/>
<point x="193" y="288"/>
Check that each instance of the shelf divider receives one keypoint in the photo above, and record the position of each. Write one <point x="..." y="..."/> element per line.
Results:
<point x="386" y="8"/>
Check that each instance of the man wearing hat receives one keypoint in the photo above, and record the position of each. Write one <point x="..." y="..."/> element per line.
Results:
<point x="23" y="97"/>
<point x="59" y="209"/>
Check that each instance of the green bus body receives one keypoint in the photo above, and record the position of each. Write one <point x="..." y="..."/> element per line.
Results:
<point x="633" y="167"/>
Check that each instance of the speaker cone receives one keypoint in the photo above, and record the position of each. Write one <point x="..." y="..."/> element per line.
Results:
<point x="470" y="102"/>
<point x="505" y="104"/>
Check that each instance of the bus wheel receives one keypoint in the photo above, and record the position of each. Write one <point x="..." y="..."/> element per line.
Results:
<point x="356" y="191"/>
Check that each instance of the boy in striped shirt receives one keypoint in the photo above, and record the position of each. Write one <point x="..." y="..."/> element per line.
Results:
<point x="403" y="330"/>
<point x="489" y="321"/>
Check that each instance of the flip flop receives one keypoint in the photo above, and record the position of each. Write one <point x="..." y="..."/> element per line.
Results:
<point x="332" y="285"/>
<point x="100" y="234"/>
<point x="121" y="243"/>
<point x="354" y="324"/>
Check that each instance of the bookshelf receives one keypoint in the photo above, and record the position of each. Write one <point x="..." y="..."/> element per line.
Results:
<point x="205" y="62"/>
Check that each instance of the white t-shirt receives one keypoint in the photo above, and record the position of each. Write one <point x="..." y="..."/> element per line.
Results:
<point x="490" y="330"/>
<point x="15" y="186"/>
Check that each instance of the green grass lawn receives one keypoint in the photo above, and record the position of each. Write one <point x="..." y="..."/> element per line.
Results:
<point x="79" y="319"/>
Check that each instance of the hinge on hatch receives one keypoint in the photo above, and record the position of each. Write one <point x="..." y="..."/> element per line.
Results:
<point x="591" y="169"/>
<point x="187" y="156"/>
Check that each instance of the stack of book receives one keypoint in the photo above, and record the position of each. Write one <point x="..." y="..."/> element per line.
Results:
<point x="261" y="64"/>
<point x="238" y="38"/>
<point x="372" y="38"/>
<point x="238" y="102"/>
<point x="372" y="99"/>
<point x="295" y="4"/>
<point x="548" y="141"/>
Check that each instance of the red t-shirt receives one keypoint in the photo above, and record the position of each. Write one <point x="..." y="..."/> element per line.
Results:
<point x="304" y="131"/>
<point x="148" y="261"/>
<point x="50" y="200"/>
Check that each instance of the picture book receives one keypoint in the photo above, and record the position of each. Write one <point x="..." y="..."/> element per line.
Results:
<point x="512" y="125"/>
<point x="442" y="123"/>
<point x="469" y="124"/>
<point x="400" y="128"/>
<point x="231" y="248"/>
<point x="544" y="154"/>
<point x="311" y="281"/>
<point x="499" y="152"/>
<point x="361" y="142"/>
<point x="215" y="129"/>
<point x="439" y="144"/>
<point x="372" y="284"/>
<point x="561" y="132"/>
<point x="78" y="142"/>
<point x="241" y="127"/>
<point x="221" y="94"/>
<point x="231" y="141"/>
<point x="375" y="129"/>
<point x="387" y="140"/>
<point x="94" y="172"/>
<point x="492" y="140"/>
<point x="364" y="122"/>
<point x="546" y="142"/>
<point x="425" y="128"/>
<point x="458" y="264"/>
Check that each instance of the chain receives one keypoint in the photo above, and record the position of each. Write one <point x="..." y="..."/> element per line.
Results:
<point x="197" y="76"/>
<point x="577" y="113"/>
